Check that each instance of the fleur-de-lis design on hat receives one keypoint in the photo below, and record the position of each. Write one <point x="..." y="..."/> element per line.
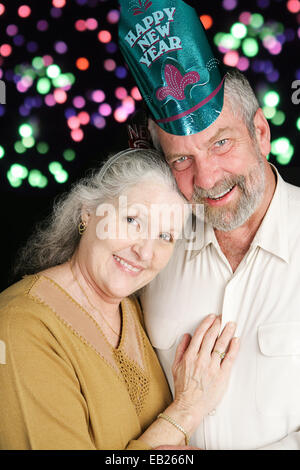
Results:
<point x="176" y="83"/>
<point x="139" y="6"/>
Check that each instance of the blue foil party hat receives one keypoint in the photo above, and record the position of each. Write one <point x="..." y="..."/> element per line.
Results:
<point x="167" y="51"/>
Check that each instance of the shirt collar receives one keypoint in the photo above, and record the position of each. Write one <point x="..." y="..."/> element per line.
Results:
<point x="207" y="237"/>
<point x="272" y="233"/>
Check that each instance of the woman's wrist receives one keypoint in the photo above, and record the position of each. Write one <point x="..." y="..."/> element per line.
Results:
<point x="184" y="417"/>
<point x="164" y="432"/>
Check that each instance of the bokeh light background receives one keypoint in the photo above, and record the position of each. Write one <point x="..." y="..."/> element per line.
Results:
<point x="69" y="94"/>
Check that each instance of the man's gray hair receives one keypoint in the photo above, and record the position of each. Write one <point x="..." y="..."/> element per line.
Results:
<point x="241" y="98"/>
<point x="55" y="240"/>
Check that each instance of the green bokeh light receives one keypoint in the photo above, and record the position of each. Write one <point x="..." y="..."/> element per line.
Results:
<point x="19" y="147"/>
<point x="285" y="158"/>
<point x="229" y="42"/>
<point x="283" y="150"/>
<point x="43" y="85"/>
<point x="280" y="146"/>
<point x="266" y="31"/>
<point x="69" y="155"/>
<point x="2" y="151"/>
<point x="28" y="142"/>
<point x="55" y="167"/>
<point x="218" y="38"/>
<point x="37" y="179"/>
<point x="257" y="20"/>
<point x="250" y="47"/>
<point x="279" y="118"/>
<point x="18" y="171"/>
<point x="298" y="124"/>
<point x="25" y="130"/>
<point x="38" y="63"/>
<point x="43" y="182"/>
<point x="239" y="30"/>
<point x="61" y="176"/>
<point x="63" y="80"/>
<point x="271" y="99"/>
<point x="42" y="147"/>
<point x="53" y="71"/>
<point x="71" y="78"/>
<point x="13" y="181"/>
<point x="30" y="73"/>
<point x="269" y="112"/>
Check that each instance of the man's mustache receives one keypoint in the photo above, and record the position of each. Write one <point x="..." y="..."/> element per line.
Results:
<point x="219" y="188"/>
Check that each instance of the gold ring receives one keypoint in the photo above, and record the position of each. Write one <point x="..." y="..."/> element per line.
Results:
<point x="222" y="355"/>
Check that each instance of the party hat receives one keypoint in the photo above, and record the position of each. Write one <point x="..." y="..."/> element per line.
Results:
<point x="167" y="51"/>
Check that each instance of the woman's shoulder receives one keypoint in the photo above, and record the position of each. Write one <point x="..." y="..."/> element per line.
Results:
<point x="17" y="293"/>
<point x="20" y="305"/>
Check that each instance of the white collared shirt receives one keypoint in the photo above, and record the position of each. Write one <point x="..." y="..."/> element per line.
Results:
<point x="261" y="407"/>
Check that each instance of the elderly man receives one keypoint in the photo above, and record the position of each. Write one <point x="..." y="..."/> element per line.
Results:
<point x="245" y="270"/>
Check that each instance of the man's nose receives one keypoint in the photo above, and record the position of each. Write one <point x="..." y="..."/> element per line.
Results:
<point x="206" y="172"/>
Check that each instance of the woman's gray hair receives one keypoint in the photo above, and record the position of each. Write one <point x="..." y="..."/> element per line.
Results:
<point x="55" y="240"/>
<point x="241" y="97"/>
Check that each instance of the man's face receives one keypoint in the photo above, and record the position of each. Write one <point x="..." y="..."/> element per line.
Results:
<point x="222" y="168"/>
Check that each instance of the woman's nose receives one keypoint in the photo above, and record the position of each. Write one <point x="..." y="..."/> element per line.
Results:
<point x="144" y="248"/>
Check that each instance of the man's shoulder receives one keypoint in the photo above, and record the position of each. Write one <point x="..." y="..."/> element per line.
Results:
<point x="290" y="211"/>
<point x="293" y="192"/>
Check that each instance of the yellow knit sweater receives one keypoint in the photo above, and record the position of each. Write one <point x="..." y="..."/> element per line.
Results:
<point x="62" y="385"/>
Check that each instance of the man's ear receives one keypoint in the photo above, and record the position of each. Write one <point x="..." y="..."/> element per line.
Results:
<point x="262" y="132"/>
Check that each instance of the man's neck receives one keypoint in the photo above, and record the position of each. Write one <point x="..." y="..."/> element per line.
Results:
<point x="236" y="243"/>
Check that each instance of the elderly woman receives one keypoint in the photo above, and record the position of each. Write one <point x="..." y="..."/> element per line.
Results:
<point x="80" y="372"/>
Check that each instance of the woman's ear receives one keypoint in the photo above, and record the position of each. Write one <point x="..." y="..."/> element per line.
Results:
<point x="85" y="214"/>
<point x="262" y="132"/>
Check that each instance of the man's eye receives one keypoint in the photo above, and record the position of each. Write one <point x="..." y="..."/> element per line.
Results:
<point x="182" y="163"/>
<point x="166" y="237"/>
<point x="221" y="143"/>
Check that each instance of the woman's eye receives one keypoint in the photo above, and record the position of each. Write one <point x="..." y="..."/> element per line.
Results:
<point x="166" y="237"/>
<point x="132" y="220"/>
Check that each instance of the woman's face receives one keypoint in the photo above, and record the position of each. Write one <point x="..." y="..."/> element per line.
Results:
<point x="126" y="244"/>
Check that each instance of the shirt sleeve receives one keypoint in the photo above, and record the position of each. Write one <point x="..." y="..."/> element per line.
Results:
<point x="42" y="405"/>
<point x="138" y="445"/>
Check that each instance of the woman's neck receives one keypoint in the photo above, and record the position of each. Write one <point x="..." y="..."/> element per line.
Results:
<point x="91" y="291"/>
<point x="106" y="313"/>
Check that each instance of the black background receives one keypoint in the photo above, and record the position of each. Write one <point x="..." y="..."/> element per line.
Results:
<point x="22" y="207"/>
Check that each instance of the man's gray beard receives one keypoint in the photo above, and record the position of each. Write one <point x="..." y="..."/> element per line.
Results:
<point x="230" y="218"/>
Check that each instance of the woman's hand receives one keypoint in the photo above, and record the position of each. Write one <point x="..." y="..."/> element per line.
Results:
<point x="200" y="372"/>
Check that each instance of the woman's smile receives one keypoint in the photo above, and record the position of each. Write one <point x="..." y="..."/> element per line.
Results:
<point x="127" y="266"/>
